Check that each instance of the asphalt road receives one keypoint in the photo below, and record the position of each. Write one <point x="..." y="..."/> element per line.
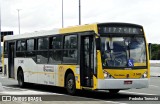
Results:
<point x="59" y="95"/>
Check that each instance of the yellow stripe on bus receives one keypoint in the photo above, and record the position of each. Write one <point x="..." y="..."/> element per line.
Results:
<point x="79" y="28"/>
<point x="121" y="73"/>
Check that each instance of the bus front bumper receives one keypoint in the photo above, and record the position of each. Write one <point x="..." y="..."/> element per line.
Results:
<point x="122" y="83"/>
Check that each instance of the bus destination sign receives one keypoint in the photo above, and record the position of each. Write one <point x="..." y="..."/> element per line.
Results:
<point x="121" y="30"/>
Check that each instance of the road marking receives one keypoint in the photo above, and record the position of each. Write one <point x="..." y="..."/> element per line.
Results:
<point x="115" y="102"/>
<point x="137" y="93"/>
<point x="153" y="86"/>
<point x="13" y="88"/>
<point x="25" y="91"/>
<point x="97" y="99"/>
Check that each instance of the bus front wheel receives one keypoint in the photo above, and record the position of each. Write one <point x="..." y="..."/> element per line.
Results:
<point x="70" y="84"/>
<point x="20" y="78"/>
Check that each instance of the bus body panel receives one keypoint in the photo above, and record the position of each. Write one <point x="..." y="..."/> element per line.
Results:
<point x="148" y="70"/>
<point x="120" y="83"/>
<point x="28" y="67"/>
<point x="44" y="73"/>
<point x="62" y="69"/>
<point x="99" y="66"/>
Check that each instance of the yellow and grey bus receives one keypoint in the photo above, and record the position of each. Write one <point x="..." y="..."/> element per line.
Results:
<point x="102" y="56"/>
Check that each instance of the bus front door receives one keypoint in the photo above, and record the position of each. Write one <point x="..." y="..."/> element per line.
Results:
<point x="11" y="60"/>
<point x="86" y="61"/>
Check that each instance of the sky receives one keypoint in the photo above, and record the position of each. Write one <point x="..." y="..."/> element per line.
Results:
<point x="36" y="15"/>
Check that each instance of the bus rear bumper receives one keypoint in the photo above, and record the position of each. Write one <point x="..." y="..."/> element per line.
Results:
<point x="122" y="83"/>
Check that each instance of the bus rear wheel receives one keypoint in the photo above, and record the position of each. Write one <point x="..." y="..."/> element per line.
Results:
<point x="114" y="91"/>
<point x="20" y="78"/>
<point x="70" y="84"/>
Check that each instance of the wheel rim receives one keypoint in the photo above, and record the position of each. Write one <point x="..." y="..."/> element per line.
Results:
<point x="70" y="84"/>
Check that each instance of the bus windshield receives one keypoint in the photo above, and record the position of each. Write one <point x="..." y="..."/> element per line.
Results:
<point x="126" y="52"/>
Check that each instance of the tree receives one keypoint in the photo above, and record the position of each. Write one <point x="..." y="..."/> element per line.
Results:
<point x="158" y="55"/>
<point x="155" y="52"/>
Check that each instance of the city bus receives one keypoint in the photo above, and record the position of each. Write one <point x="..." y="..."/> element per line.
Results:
<point x="100" y="56"/>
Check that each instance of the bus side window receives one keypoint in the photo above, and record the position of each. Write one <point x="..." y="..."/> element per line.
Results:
<point x="19" y="45"/>
<point x="42" y="53"/>
<point x="23" y="45"/>
<point x="73" y="42"/>
<point x="67" y="42"/>
<point x="55" y="42"/>
<point x="31" y="49"/>
<point x="55" y="52"/>
<point x="70" y="49"/>
<point x="70" y="42"/>
<point x="42" y="43"/>
<point x="30" y="45"/>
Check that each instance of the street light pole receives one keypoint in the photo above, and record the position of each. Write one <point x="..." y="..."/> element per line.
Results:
<point x="19" y="20"/>
<point x="62" y="13"/>
<point x="79" y="12"/>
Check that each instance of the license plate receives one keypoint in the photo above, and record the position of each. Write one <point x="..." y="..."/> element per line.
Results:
<point x="127" y="82"/>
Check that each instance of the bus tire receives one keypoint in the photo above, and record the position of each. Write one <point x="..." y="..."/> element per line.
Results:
<point x="70" y="84"/>
<point x="20" y="78"/>
<point x="114" y="91"/>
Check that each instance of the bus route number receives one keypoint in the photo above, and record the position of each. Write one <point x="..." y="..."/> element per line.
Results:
<point x="137" y="74"/>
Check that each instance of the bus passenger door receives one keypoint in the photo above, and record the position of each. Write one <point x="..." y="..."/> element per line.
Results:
<point x="86" y="61"/>
<point x="11" y="60"/>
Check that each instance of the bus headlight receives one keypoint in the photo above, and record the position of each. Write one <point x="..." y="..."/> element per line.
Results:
<point x="144" y="75"/>
<point x="107" y="75"/>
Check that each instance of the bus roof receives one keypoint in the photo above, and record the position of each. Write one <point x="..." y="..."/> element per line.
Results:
<point x="33" y="34"/>
<point x="80" y="28"/>
<point x="72" y="29"/>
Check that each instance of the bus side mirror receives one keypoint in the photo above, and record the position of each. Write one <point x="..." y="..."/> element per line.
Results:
<point x="98" y="43"/>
